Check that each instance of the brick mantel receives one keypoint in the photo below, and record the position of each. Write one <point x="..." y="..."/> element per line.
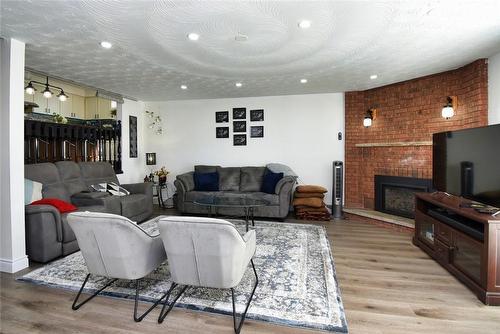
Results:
<point x="399" y="143"/>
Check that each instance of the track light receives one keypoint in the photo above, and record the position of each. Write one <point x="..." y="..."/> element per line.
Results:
<point x="30" y="89"/>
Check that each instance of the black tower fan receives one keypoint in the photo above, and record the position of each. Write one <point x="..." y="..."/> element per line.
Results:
<point x="337" y="197"/>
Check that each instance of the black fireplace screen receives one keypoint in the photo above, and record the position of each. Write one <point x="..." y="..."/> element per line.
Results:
<point x="396" y="195"/>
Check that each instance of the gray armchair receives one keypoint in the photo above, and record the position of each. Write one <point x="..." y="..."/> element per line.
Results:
<point x="115" y="247"/>
<point x="206" y="252"/>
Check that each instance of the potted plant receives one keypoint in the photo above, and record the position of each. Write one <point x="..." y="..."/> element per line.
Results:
<point x="162" y="175"/>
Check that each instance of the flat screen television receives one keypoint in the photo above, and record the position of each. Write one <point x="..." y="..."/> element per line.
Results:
<point x="467" y="163"/>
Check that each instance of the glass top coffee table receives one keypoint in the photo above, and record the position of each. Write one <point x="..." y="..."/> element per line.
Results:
<point x="246" y="204"/>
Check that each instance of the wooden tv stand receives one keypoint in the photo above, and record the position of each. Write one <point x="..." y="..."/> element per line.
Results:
<point x="463" y="241"/>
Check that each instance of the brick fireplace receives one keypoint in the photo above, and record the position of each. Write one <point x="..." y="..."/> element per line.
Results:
<point x="399" y="143"/>
<point x="396" y="194"/>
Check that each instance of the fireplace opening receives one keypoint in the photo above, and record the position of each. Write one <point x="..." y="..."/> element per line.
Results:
<point x="396" y="194"/>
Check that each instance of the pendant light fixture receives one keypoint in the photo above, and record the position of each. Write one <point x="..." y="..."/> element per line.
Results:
<point x="30" y="89"/>
<point x="62" y="97"/>
<point x="47" y="93"/>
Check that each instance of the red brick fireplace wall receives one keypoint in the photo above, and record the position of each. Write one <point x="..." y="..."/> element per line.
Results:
<point x="408" y="111"/>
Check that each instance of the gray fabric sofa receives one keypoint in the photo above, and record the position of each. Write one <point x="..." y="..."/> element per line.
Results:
<point x="235" y="182"/>
<point x="48" y="234"/>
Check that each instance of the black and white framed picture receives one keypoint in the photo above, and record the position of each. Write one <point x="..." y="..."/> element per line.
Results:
<point x="132" y="131"/>
<point x="239" y="126"/>
<point x="256" y="131"/>
<point x="239" y="113"/>
<point x="257" y="115"/>
<point x="222" y="132"/>
<point x="239" y="140"/>
<point x="222" y="117"/>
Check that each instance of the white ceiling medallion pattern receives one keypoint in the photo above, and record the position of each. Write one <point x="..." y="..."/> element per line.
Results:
<point x="152" y="56"/>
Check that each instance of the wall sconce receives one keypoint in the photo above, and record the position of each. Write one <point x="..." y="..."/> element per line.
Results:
<point x="371" y="114"/>
<point x="150" y="159"/>
<point x="448" y="110"/>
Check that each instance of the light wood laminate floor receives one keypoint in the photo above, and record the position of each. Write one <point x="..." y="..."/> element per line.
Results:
<point x="387" y="285"/>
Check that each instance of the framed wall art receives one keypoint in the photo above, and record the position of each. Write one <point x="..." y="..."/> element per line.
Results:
<point x="239" y="126"/>
<point x="257" y="115"/>
<point x="256" y="131"/>
<point x="239" y="113"/>
<point x="132" y="131"/>
<point x="222" y="132"/>
<point x="239" y="140"/>
<point x="222" y="117"/>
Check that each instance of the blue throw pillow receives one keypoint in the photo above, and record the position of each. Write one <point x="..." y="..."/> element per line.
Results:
<point x="206" y="181"/>
<point x="269" y="181"/>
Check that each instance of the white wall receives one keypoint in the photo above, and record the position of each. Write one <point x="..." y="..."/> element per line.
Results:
<point x="134" y="169"/>
<point x="299" y="131"/>
<point x="494" y="89"/>
<point x="12" y="248"/>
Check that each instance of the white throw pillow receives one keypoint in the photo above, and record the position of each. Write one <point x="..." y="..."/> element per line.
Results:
<point x="32" y="191"/>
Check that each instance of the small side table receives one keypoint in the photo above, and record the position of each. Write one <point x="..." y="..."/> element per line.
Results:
<point x="168" y="188"/>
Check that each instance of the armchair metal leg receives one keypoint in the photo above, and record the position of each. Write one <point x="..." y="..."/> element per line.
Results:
<point x="136" y="318"/>
<point x="164" y="312"/>
<point x="237" y="327"/>
<point x="76" y="306"/>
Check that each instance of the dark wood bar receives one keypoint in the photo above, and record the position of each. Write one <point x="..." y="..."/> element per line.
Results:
<point x="96" y="140"/>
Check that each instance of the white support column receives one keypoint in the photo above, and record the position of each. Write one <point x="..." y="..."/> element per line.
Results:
<point x="12" y="236"/>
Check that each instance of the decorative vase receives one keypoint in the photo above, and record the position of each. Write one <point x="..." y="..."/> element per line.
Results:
<point x="162" y="179"/>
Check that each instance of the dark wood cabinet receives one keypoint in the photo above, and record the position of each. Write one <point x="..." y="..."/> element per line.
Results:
<point x="463" y="241"/>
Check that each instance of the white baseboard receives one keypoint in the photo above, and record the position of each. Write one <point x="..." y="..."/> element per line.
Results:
<point x="13" y="266"/>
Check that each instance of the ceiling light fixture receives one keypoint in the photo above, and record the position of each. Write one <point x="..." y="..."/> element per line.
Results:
<point x="184" y="87"/>
<point x="47" y="93"/>
<point x="29" y="89"/>
<point x="62" y="97"/>
<point x="303" y="80"/>
<point x="373" y="76"/>
<point x="193" y="36"/>
<point x="448" y="110"/>
<point x="238" y="84"/>
<point x="304" y="24"/>
<point x="106" y="45"/>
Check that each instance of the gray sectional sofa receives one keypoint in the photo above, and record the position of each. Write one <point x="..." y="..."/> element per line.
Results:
<point x="48" y="234"/>
<point x="241" y="182"/>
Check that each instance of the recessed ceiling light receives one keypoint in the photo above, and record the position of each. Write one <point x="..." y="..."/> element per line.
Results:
<point x="106" y="45"/>
<point x="373" y="76"/>
<point x="193" y="36"/>
<point x="304" y="24"/>
<point x="184" y="87"/>
<point x="303" y="80"/>
<point x="238" y="84"/>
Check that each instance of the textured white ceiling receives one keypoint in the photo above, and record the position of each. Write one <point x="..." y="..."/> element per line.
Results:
<point x="347" y="42"/>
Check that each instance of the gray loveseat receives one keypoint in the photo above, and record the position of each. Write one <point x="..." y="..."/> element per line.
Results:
<point x="235" y="182"/>
<point x="48" y="234"/>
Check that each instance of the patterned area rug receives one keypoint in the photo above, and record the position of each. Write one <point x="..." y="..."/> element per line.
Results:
<point x="297" y="282"/>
